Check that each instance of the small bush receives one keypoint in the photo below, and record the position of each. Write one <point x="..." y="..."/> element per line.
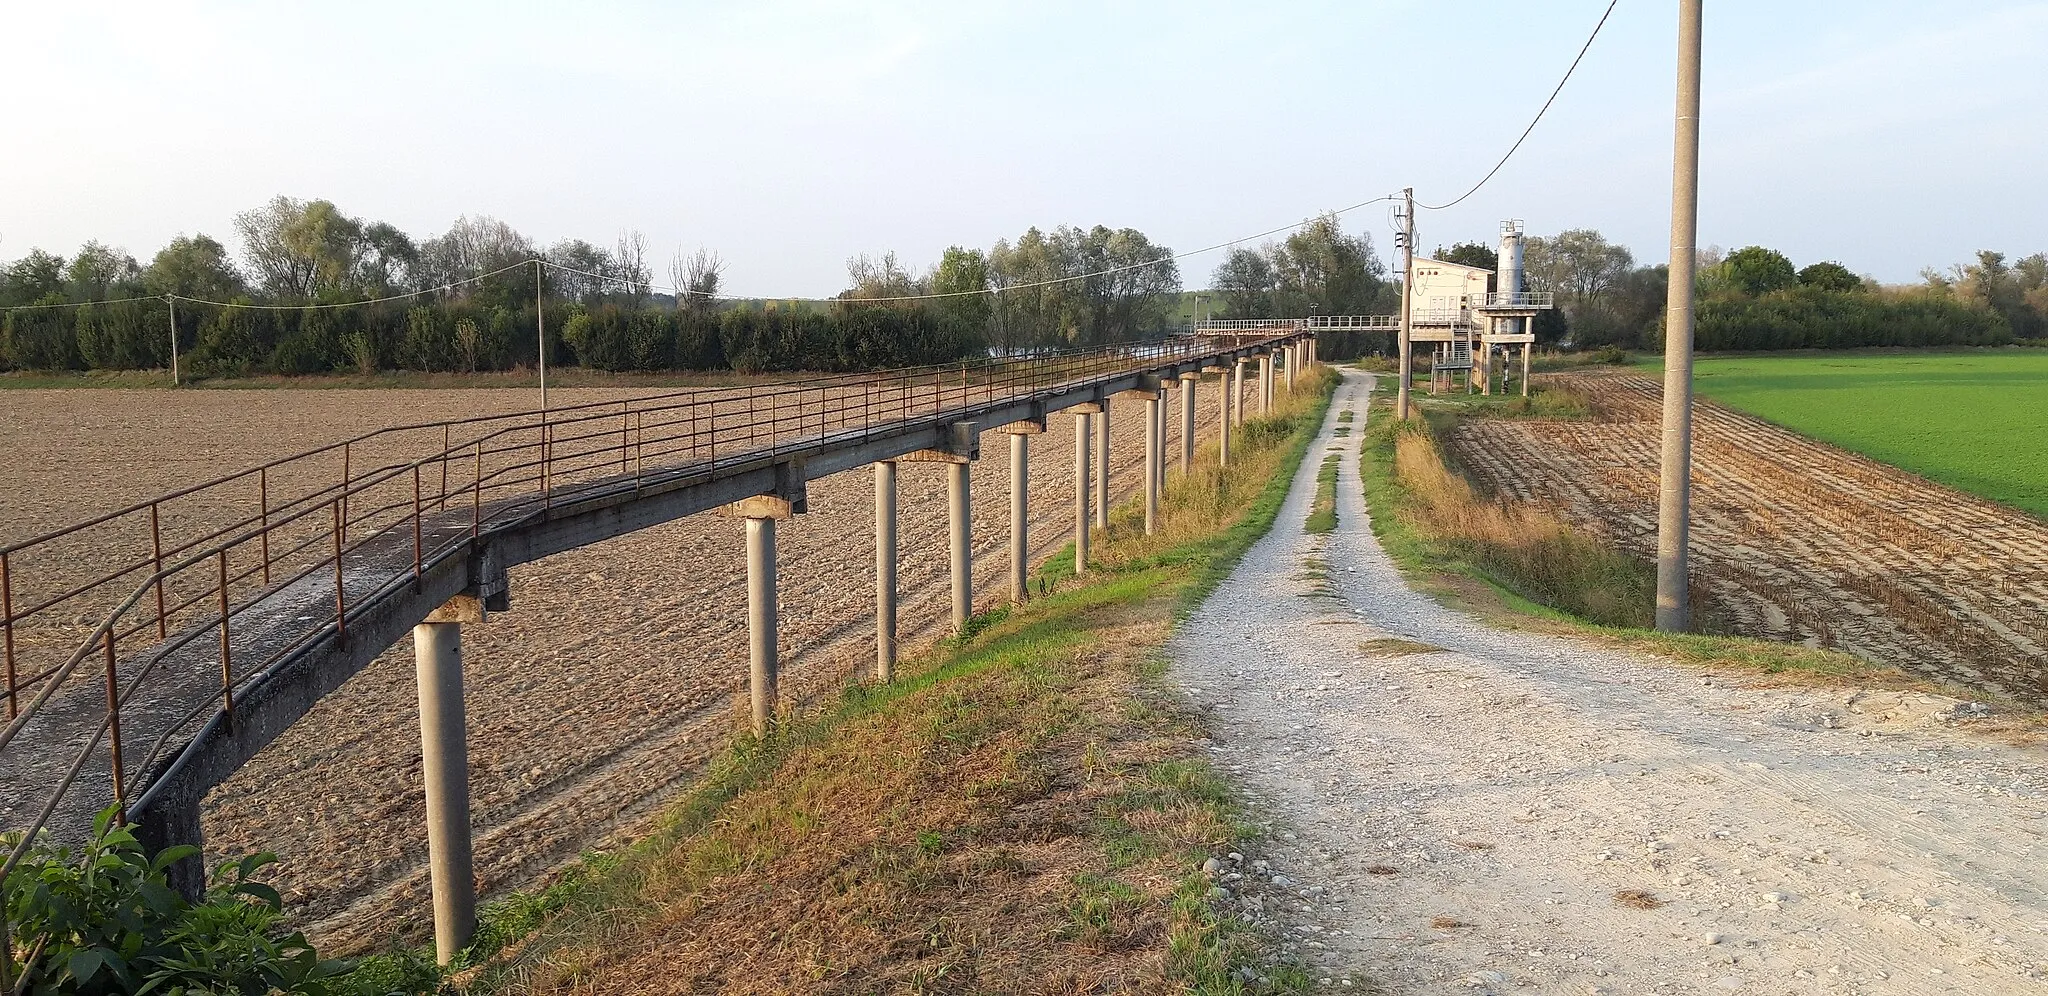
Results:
<point x="102" y="919"/>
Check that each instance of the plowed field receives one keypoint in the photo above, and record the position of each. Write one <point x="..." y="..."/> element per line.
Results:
<point x="1795" y="540"/>
<point x="595" y="698"/>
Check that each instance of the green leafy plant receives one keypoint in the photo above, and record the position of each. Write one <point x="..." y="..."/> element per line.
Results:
<point x="102" y="919"/>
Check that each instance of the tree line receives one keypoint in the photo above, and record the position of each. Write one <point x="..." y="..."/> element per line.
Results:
<point x="305" y="295"/>
<point x="1756" y="298"/>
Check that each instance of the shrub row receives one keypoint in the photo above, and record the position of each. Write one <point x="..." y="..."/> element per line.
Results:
<point x="465" y="336"/>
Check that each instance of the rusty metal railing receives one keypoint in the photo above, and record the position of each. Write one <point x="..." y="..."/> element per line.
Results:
<point x="376" y="511"/>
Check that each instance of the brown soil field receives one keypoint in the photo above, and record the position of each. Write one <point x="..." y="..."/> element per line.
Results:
<point x="1795" y="540"/>
<point x="591" y="702"/>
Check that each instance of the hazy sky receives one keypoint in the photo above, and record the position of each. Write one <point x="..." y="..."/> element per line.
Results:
<point x="790" y="134"/>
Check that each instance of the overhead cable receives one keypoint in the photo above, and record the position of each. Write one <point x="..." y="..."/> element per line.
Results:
<point x="1539" y="115"/>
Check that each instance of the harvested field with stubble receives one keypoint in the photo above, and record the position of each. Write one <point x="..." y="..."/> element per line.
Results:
<point x="594" y="699"/>
<point x="1794" y="540"/>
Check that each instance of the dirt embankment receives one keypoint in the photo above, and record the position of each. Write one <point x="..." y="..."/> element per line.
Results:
<point x="610" y="680"/>
<point x="1795" y="540"/>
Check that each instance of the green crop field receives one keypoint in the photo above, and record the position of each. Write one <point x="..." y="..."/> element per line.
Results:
<point x="1976" y="421"/>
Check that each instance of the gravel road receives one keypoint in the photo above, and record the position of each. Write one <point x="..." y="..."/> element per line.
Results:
<point x="1461" y="808"/>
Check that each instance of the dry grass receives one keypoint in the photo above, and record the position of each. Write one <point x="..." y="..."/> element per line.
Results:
<point x="1637" y="899"/>
<point x="1449" y="923"/>
<point x="1394" y="646"/>
<point x="1018" y="813"/>
<point x="1532" y="551"/>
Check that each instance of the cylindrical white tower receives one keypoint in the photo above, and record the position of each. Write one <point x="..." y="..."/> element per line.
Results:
<point x="1508" y="276"/>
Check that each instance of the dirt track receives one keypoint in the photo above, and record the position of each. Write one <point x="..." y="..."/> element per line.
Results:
<point x="1459" y="808"/>
<point x="610" y="680"/>
<point x="1795" y="540"/>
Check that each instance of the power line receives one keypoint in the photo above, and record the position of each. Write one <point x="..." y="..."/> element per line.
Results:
<point x="1539" y="115"/>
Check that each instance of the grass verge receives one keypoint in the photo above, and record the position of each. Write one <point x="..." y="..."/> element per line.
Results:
<point x="1322" y="513"/>
<point x="1019" y="811"/>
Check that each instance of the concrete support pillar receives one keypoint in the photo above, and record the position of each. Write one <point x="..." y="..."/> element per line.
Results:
<point x="444" y="768"/>
<point x="1102" y="472"/>
<point x="1223" y="422"/>
<point x="1159" y="465"/>
<point x="1266" y="383"/>
<point x="1187" y="421"/>
<point x="960" y="519"/>
<point x="1082" y="441"/>
<point x="762" y="622"/>
<point x="1236" y="406"/>
<point x="1154" y="448"/>
<point x="885" y="570"/>
<point x="1020" y="517"/>
<point x="1525" y="370"/>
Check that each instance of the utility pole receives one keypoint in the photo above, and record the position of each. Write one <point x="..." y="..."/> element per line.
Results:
<point x="172" y="302"/>
<point x="1674" y="482"/>
<point x="540" y="318"/>
<point x="1407" y="299"/>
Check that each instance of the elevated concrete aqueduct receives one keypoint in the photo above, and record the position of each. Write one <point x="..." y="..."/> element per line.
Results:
<point x="270" y="587"/>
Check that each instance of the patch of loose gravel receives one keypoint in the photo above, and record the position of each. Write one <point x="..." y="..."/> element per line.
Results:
<point x="1519" y="812"/>
<point x="593" y="700"/>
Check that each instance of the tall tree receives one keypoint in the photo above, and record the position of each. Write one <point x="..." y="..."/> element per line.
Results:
<point x="100" y="271"/>
<point x="301" y="249"/>
<point x="1245" y="279"/>
<point x="195" y="266"/>
<point x="1754" y="270"/>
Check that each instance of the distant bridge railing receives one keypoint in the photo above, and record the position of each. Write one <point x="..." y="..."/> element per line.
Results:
<point x="1516" y="301"/>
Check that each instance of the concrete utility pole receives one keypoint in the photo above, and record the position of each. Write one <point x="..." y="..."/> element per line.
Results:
<point x="172" y="302"/>
<point x="1407" y="301"/>
<point x="885" y="570"/>
<point x="1674" y="482"/>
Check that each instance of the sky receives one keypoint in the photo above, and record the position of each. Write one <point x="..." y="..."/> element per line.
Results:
<point x="789" y="135"/>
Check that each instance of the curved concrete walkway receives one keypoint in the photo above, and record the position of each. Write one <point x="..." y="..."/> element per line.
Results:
<point x="1479" y="809"/>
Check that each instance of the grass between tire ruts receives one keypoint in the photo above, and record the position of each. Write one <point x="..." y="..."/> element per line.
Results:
<point x="1020" y="811"/>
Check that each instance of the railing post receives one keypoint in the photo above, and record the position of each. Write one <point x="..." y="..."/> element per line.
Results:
<point x="7" y="629"/>
<point x="418" y="555"/>
<point x="114" y="731"/>
<point x="340" y="588"/>
<point x="156" y="554"/>
<point x="263" y="498"/>
<point x="227" y="658"/>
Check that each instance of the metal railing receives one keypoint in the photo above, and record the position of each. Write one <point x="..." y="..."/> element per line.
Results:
<point x="240" y="560"/>
<point x="1442" y="316"/>
<point x="1247" y="324"/>
<point x="1515" y="301"/>
<point x="1374" y="323"/>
